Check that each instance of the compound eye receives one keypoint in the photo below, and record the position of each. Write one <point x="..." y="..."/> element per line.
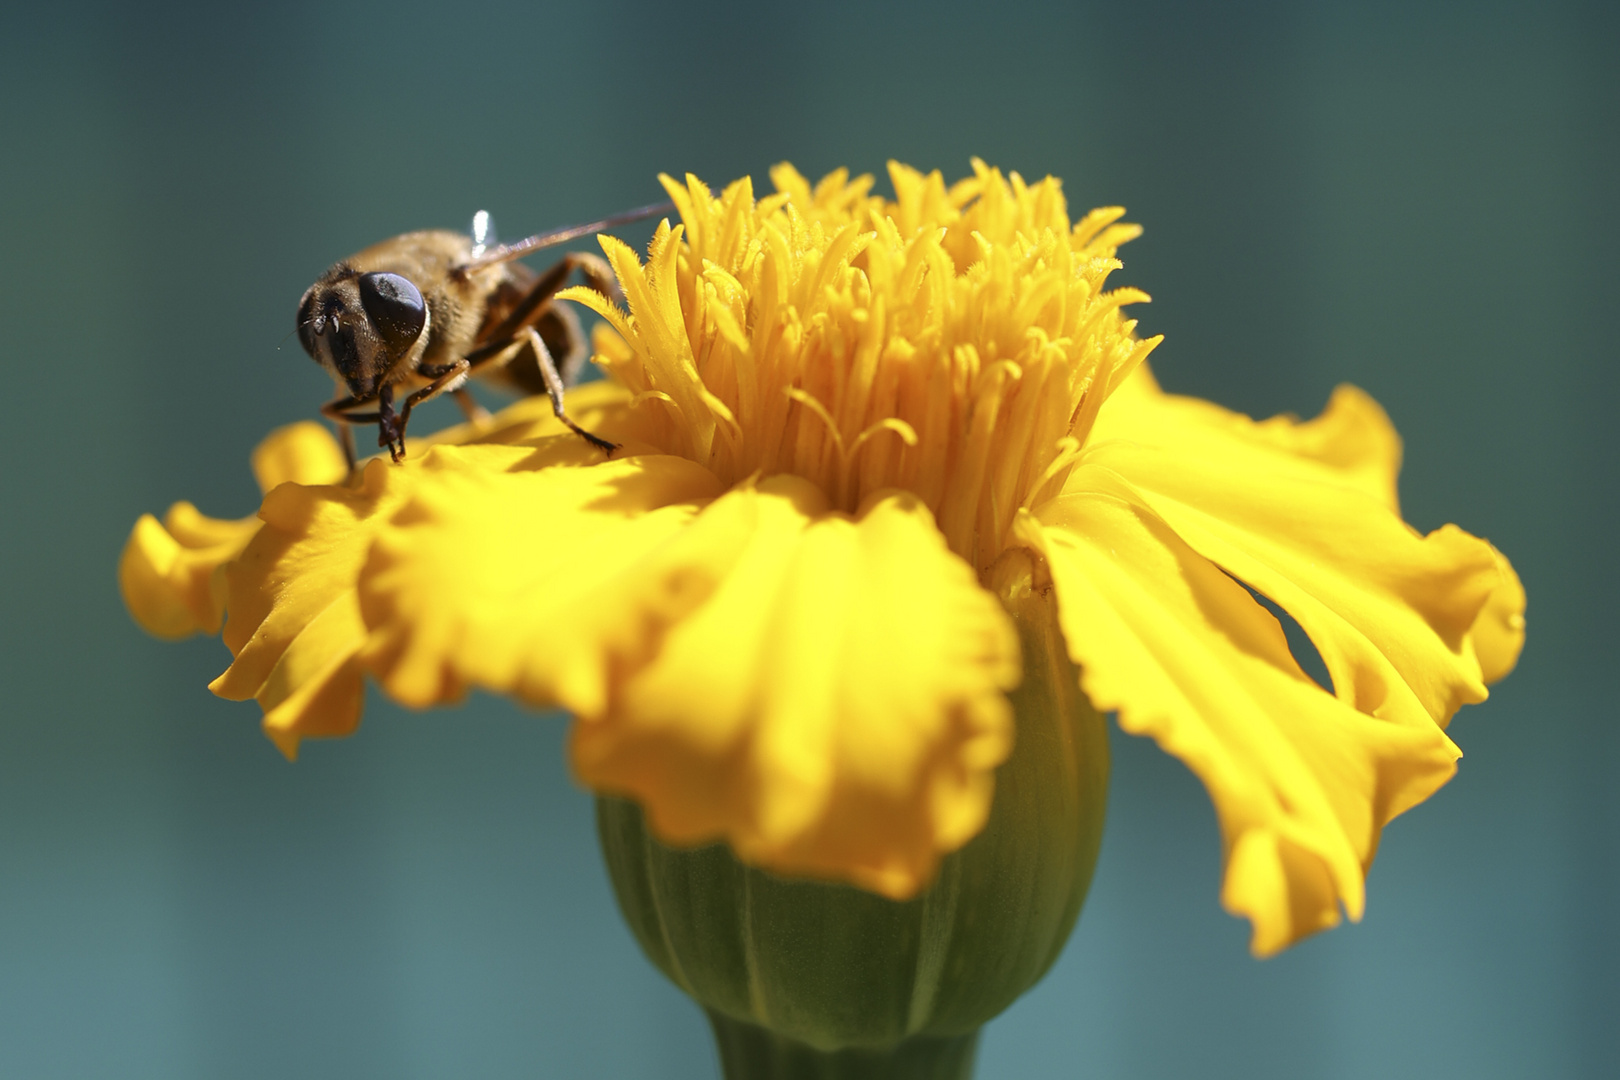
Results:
<point x="306" y="322"/>
<point x="395" y="308"/>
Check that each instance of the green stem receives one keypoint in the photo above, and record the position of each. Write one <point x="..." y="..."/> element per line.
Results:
<point x="750" y="1052"/>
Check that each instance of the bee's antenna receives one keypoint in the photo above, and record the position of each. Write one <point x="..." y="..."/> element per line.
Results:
<point x="508" y="252"/>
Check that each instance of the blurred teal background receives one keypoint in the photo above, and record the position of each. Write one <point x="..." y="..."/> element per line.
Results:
<point x="1420" y="199"/>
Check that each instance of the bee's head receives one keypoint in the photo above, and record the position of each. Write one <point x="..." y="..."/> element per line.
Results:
<point x="361" y="326"/>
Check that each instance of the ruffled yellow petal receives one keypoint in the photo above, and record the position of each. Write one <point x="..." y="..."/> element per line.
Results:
<point x="315" y="689"/>
<point x="821" y="690"/>
<point x="301" y="453"/>
<point x="1305" y="513"/>
<point x="1388" y="610"/>
<point x="1498" y="633"/>
<point x="834" y="708"/>
<point x="168" y="572"/>
<point x="1302" y="783"/>
<point x="526" y="582"/>
<point x="294" y="625"/>
<point x="295" y="628"/>
<point x="1352" y="444"/>
<point x="168" y="583"/>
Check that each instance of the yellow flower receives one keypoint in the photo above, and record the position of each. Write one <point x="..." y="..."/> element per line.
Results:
<point x="851" y="431"/>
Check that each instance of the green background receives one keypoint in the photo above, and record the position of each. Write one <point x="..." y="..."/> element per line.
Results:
<point x="1418" y="199"/>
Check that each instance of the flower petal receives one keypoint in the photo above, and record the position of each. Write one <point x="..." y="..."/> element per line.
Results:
<point x="169" y="573"/>
<point x="304" y="559"/>
<point x="834" y="709"/>
<point x="522" y="582"/>
<point x="1389" y="610"/>
<point x="1302" y="512"/>
<point x="301" y="453"/>
<point x="290" y="598"/>
<point x="1352" y="444"/>
<point x="1498" y="633"/>
<point x="295" y="626"/>
<point x="315" y="689"/>
<point x="166" y="571"/>
<point x="1302" y="782"/>
<point x="293" y="622"/>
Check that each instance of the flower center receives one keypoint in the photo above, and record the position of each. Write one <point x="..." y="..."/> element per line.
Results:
<point x="956" y="343"/>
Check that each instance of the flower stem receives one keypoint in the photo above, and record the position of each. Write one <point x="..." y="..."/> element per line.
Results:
<point x="750" y="1052"/>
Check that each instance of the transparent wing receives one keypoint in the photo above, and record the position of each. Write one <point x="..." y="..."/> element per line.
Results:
<point x="483" y="232"/>
<point x="482" y="257"/>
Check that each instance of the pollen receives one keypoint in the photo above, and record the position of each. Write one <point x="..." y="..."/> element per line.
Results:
<point x="954" y="342"/>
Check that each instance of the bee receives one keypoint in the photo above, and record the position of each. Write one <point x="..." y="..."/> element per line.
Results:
<point x="417" y="316"/>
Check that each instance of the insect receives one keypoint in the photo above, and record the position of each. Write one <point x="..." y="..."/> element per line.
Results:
<point x="416" y="316"/>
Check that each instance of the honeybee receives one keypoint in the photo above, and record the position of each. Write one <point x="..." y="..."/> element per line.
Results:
<point x="420" y="314"/>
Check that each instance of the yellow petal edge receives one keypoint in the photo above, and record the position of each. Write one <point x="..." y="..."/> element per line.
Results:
<point x="1176" y="506"/>
<point x="169" y="572"/>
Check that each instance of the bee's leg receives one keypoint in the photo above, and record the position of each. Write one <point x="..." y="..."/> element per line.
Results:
<point x="452" y="377"/>
<point x="597" y="274"/>
<point x="554" y="390"/>
<point x="346" y="437"/>
<point x="390" y="425"/>
<point x="474" y="412"/>
<point x="344" y="420"/>
<point x="496" y="353"/>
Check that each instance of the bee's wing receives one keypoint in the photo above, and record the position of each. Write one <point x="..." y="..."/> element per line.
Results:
<point x="507" y="252"/>
<point x="483" y="233"/>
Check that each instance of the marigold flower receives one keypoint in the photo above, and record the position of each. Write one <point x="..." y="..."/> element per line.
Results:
<point x="842" y="418"/>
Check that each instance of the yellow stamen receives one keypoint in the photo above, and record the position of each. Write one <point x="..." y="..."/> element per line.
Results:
<point x="787" y="332"/>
